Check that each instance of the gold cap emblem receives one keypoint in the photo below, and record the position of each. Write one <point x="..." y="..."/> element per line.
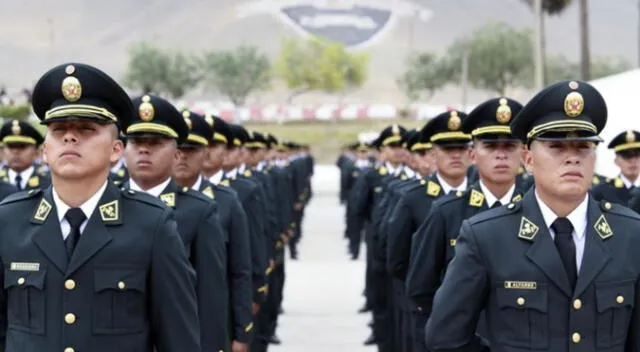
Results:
<point x="146" y="110"/>
<point x="395" y="130"/>
<point x="573" y="102"/>
<point x="188" y="122"/>
<point x="71" y="88"/>
<point x="15" y="127"/>
<point x="503" y="114"/>
<point x="630" y="137"/>
<point x="454" y="121"/>
<point x="209" y="120"/>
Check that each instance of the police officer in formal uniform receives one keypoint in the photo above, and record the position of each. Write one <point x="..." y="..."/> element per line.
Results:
<point x="151" y="151"/>
<point x="557" y="271"/>
<point x="21" y="142"/>
<point x="351" y="173"/>
<point x="87" y="266"/>
<point x="497" y="154"/>
<point x="626" y="145"/>
<point x="233" y="222"/>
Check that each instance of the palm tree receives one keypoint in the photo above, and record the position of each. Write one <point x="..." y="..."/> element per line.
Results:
<point x="585" y="56"/>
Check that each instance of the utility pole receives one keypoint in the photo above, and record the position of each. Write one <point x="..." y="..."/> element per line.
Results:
<point x="585" y="57"/>
<point x="464" y="79"/>
<point x="538" y="60"/>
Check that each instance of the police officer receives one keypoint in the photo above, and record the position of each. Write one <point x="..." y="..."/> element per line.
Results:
<point x="21" y="142"/>
<point x="626" y="145"/>
<point x="557" y="271"/>
<point x="87" y="266"/>
<point x="151" y="151"/>
<point x="233" y="221"/>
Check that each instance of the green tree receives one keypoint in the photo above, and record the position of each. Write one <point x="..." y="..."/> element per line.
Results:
<point x="424" y="74"/>
<point x="606" y="66"/>
<point x="561" y="69"/>
<point x="237" y="73"/>
<point x="152" y="69"/>
<point x="499" y="57"/>
<point x="320" y="65"/>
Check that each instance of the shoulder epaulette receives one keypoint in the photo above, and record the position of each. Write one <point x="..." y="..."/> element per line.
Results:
<point x="618" y="183"/>
<point x="143" y="197"/>
<point x="383" y="170"/>
<point x="195" y="194"/>
<point x="490" y="214"/>
<point x="617" y="209"/>
<point x="247" y="173"/>
<point x="18" y="196"/>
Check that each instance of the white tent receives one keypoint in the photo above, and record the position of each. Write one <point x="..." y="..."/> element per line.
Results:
<point x="622" y="95"/>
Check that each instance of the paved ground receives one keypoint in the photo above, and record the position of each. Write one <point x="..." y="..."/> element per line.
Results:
<point x="324" y="287"/>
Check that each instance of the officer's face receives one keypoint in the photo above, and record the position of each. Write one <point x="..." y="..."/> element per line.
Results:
<point x="150" y="159"/>
<point x="629" y="163"/>
<point x="424" y="162"/>
<point x="394" y="154"/>
<point x="189" y="162"/>
<point x="452" y="161"/>
<point x="562" y="169"/>
<point x="77" y="150"/>
<point x="215" y="155"/>
<point x="20" y="156"/>
<point x="497" y="161"/>
<point x="232" y="158"/>
<point x="362" y="154"/>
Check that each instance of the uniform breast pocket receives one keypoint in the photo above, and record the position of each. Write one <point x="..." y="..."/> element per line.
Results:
<point x="25" y="300"/>
<point x="615" y="303"/>
<point x="521" y="319"/>
<point x="120" y="301"/>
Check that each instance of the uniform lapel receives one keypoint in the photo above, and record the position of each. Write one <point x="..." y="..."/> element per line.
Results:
<point x="48" y="236"/>
<point x="596" y="254"/>
<point x="96" y="235"/>
<point x="543" y="252"/>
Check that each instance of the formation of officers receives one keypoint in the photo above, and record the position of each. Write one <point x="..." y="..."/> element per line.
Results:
<point x="491" y="232"/>
<point x="141" y="227"/>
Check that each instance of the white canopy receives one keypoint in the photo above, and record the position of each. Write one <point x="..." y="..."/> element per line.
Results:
<point x="622" y="94"/>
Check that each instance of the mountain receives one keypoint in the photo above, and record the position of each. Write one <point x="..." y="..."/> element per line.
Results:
<point x="37" y="34"/>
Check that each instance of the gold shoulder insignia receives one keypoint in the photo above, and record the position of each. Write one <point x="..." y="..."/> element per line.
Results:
<point x="528" y="229"/>
<point x="517" y="198"/>
<point x="44" y="208"/>
<point x="3" y="172"/>
<point x="520" y="170"/>
<point x="383" y="170"/>
<point x="109" y="211"/>
<point x="403" y="177"/>
<point x="459" y="194"/>
<point x="169" y="199"/>
<point x="208" y="192"/>
<point x="34" y="181"/>
<point x="225" y="183"/>
<point x="595" y="180"/>
<point x="602" y="228"/>
<point x="423" y="182"/>
<point x="618" y="183"/>
<point x="120" y="173"/>
<point x="433" y="189"/>
<point x="476" y="199"/>
<point x="247" y="173"/>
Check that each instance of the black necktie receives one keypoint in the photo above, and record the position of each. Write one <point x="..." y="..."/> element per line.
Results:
<point x="75" y="217"/>
<point x="496" y="204"/>
<point x="19" y="182"/>
<point x="566" y="247"/>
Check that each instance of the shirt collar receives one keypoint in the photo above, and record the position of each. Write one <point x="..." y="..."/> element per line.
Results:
<point x="25" y="174"/>
<point x="446" y="188"/>
<point x="217" y="177"/>
<point x="87" y="207"/>
<point x="233" y="173"/>
<point x="491" y="199"/>
<point x="628" y="183"/>
<point x="393" y="170"/>
<point x="196" y="185"/>
<point x="154" y="191"/>
<point x="578" y="217"/>
<point x="241" y="168"/>
<point x="410" y="173"/>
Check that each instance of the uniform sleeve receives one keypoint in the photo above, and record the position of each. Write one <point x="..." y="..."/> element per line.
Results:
<point x="256" y="239"/>
<point x="399" y="239"/>
<point x="460" y="299"/>
<point x="209" y="259"/>
<point x="240" y="270"/>
<point x="360" y="202"/>
<point x="173" y="305"/>
<point x="633" y="338"/>
<point x="3" y="310"/>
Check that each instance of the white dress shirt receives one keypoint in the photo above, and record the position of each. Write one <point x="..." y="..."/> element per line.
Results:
<point x="217" y="177"/>
<point x="25" y="174"/>
<point x="446" y="188"/>
<point x="196" y="185"/>
<point x="154" y="191"/>
<point x="232" y="174"/>
<point x="491" y="199"/>
<point x="578" y="219"/>
<point x="628" y="184"/>
<point x="87" y="208"/>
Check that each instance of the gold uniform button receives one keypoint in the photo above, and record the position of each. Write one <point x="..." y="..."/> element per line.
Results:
<point x="576" y="337"/>
<point x="70" y="318"/>
<point x="607" y="206"/>
<point x="520" y="301"/>
<point x="511" y="206"/>
<point x="620" y="299"/>
<point x="121" y="285"/>
<point x="69" y="284"/>
<point x="577" y="304"/>
<point x="21" y="281"/>
<point x="69" y="349"/>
